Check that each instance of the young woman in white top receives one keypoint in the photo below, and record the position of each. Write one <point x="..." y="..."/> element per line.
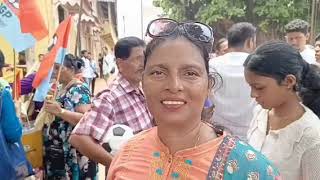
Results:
<point x="285" y="127"/>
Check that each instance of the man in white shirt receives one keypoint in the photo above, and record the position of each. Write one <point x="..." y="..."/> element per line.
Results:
<point x="87" y="72"/>
<point x="233" y="104"/>
<point x="297" y="35"/>
<point x="109" y="66"/>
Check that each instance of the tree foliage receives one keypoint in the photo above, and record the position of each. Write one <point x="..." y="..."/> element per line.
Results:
<point x="267" y="14"/>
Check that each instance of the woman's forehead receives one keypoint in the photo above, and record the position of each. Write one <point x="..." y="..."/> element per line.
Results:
<point x="177" y="50"/>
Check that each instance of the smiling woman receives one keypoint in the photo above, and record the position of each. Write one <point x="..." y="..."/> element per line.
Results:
<point x="176" y="83"/>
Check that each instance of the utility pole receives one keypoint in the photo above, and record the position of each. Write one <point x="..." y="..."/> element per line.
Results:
<point x="78" y="42"/>
<point x="313" y="20"/>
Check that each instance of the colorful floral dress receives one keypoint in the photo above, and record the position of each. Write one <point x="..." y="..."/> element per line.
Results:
<point x="62" y="161"/>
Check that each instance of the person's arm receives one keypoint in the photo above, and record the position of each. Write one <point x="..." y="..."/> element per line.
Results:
<point x="71" y="117"/>
<point x="90" y="131"/>
<point x="80" y="101"/>
<point x="26" y="84"/>
<point x="310" y="163"/>
<point x="89" y="147"/>
<point x="11" y="126"/>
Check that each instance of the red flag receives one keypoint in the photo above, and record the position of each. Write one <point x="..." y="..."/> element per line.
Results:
<point x="31" y="20"/>
<point x="57" y="51"/>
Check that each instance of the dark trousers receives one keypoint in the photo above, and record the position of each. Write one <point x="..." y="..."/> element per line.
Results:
<point x="92" y="85"/>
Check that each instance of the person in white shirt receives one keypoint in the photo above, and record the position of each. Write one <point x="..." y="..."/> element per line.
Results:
<point x="109" y="66"/>
<point x="234" y="106"/>
<point x="88" y="72"/>
<point x="93" y="71"/>
<point x="286" y="126"/>
<point x="317" y="48"/>
<point x="297" y="35"/>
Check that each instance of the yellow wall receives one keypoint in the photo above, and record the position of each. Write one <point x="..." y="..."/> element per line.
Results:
<point x="7" y="50"/>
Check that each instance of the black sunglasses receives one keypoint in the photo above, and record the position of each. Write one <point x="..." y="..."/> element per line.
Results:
<point x="194" y="30"/>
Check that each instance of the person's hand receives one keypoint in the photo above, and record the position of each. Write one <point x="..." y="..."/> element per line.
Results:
<point x="52" y="107"/>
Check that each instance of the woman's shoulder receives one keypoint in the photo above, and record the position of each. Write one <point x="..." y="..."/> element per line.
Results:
<point x="244" y="161"/>
<point x="142" y="137"/>
<point x="137" y="146"/>
<point x="307" y="132"/>
<point x="79" y="88"/>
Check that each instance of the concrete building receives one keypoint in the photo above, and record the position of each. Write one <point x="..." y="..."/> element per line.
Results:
<point x="133" y="17"/>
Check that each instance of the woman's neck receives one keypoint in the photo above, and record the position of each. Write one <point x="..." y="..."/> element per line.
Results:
<point x="66" y="82"/>
<point x="184" y="138"/>
<point x="285" y="114"/>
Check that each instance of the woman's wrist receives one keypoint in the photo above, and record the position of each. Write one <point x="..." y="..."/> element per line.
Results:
<point x="62" y="111"/>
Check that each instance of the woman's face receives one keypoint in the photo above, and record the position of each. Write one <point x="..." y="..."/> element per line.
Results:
<point x="267" y="91"/>
<point x="175" y="82"/>
<point x="66" y="73"/>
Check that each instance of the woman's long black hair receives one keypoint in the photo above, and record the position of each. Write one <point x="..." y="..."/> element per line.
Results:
<point x="278" y="59"/>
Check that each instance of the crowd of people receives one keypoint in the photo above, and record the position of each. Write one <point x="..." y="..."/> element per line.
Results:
<point x="244" y="112"/>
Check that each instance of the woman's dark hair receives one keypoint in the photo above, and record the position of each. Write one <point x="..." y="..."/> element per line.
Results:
<point x="278" y="59"/>
<point x="213" y="76"/>
<point x="74" y="63"/>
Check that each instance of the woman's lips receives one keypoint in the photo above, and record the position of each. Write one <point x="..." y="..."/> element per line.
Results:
<point x="173" y="104"/>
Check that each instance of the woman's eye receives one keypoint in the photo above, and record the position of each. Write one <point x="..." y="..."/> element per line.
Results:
<point x="259" y="88"/>
<point x="191" y="73"/>
<point x="157" y="73"/>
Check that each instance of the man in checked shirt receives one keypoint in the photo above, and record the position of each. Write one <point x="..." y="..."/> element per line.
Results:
<point x="121" y="103"/>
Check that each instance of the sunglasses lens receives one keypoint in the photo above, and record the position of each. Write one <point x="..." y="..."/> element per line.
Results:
<point x="199" y="31"/>
<point x="162" y="27"/>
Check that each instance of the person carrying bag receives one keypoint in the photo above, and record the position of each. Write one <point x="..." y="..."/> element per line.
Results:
<point x="13" y="162"/>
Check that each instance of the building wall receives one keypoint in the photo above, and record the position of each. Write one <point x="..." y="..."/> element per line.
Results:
<point x="133" y="17"/>
<point x="129" y="20"/>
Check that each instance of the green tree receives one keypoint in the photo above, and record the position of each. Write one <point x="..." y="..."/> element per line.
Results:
<point x="269" y="15"/>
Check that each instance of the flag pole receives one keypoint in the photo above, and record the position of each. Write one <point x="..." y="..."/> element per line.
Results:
<point x="57" y="80"/>
<point x="78" y="41"/>
<point x="14" y="75"/>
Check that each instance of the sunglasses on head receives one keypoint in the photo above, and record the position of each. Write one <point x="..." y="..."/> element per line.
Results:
<point x="194" y="30"/>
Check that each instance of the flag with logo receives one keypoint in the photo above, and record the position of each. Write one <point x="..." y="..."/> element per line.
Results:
<point x="57" y="51"/>
<point x="21" y="23"/>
